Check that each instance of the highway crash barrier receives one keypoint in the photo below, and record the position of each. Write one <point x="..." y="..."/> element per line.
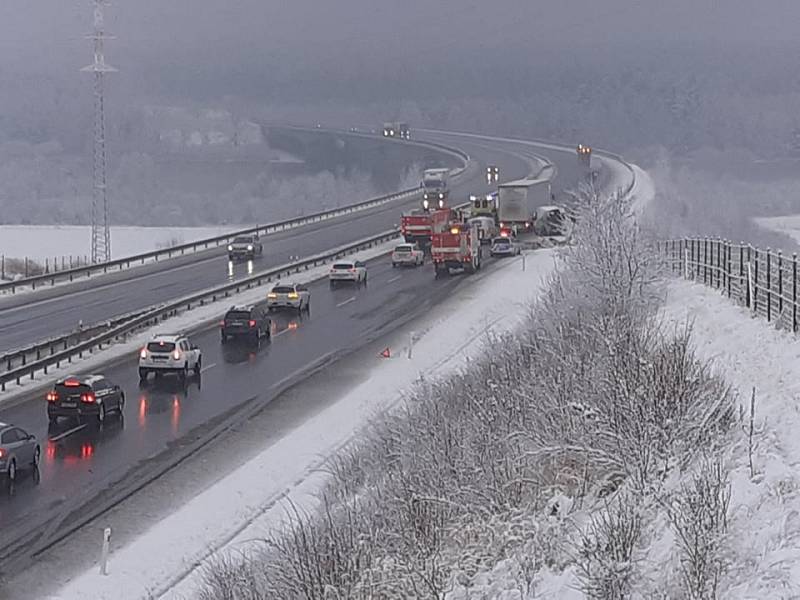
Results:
<point x="153" y="315"/>
<point x="213" y="242"/>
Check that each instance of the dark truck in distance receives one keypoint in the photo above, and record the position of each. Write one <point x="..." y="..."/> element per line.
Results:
<point x="244" y="247"/>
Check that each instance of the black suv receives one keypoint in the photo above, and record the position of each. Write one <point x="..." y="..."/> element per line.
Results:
<point x="245" y="321"/>
<point x="79" y="397"/>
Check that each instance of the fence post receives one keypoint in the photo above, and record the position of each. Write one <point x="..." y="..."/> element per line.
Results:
<point x="705" y="260"/>
<point x="729" y="265"/>
<point x="780" y="284"/>
<point x="686" y="263"/>
<point x="755" y="279"/>
<point x="794" y="292"/>
<point x="769" y="285"/>
<point x="741" y="273"/>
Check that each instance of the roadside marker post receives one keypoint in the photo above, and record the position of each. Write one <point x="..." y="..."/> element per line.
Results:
<point x="104" y="554"/>
<point x="410" y="343"/>
<point x="386" y="353"/>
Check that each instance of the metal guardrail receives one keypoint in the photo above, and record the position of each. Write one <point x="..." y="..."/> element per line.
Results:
<point x="153" y="315"/>
<point x="764" y="281"/>
<point x="270" y="228"/>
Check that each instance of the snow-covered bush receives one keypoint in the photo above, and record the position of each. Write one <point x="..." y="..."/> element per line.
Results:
<point x="479" y="483"/>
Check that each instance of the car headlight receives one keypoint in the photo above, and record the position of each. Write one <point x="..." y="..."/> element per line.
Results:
<point x="441" y="196"/>
<point x="249" y="247"/>
<point x="230" y="247"/>
<point x="425" y="203"/>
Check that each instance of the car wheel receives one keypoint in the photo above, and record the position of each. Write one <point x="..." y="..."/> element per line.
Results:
<point x="142" y="374"/>
<point x="101" y="414"/>
<point x="37" y="455"/>
<point x="308" y="307"/>
<point x="198" y="365"/>
<point x="365" y="279"/>
<point x="11" y="473"/>
<point x="184" y="373"/>
<point x="121" y="404"/>
<point x="394" y="265"/>
<point x="333" y="284"/>
<point x="52" y="419"/>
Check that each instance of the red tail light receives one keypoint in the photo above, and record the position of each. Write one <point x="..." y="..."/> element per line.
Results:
<point x="222" y="323"/>
<point x="72" y="383"/>
<point x="52" y="397"/>
<point x="353" y="270"/>
<point x="252" y="323"/>
<point x="88" y="398"/>
<point x="2" y="453"/>
<point x="143" y="353"/>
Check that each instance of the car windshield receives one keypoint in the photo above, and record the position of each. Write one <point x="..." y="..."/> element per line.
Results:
<point x="343" y="266"/>
<point x="237" y="314"/>
<point x="160" y="346"/>
<point x="283" y="289"/>
<point x="242" y="240"/>
<point x="501" y="241"/>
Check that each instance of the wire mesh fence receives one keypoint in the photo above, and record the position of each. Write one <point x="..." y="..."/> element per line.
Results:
<point x="765" y="281"/>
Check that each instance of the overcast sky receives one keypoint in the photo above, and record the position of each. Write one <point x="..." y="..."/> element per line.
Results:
<point x="34" y="33"/>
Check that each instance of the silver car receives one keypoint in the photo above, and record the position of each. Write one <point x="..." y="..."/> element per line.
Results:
<point x="18" y="450"/>
<point x="289" y="295"/>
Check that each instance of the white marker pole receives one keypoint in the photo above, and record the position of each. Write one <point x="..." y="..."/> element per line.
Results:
<point x="410" y="342"/>
<point x="524" y="254"/>
<point x="104" y="554"/>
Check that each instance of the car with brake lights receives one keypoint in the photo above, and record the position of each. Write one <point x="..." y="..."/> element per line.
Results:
<point x="245" y="322"/>
<point x="347" y="271"/>
<point x="407" y="254"/>
<point x="504" y="246"/>
<point x="244" y="247"/>
<point x="289" y="295"/>
<point x="18" y="450"/>
<point x="170" y="353"/>
<point x="79" y="398"/>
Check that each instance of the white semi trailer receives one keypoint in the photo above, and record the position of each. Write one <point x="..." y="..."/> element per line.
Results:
<point x="518" y="201"/>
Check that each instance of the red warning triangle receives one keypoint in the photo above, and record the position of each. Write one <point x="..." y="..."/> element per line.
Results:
<point x="386" y="353"/>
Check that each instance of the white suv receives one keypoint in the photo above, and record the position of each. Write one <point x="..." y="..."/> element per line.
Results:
<point x="169" y="353"/>
<point x="353" y="271"/>
<point x="408" y="254"/>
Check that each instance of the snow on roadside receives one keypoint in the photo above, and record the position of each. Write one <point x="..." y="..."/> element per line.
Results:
<point x="188" y="321"/>
<point x="764" y="525"/>
<point x="40" y="242"/>
<point x="788" y="224"/>
<point x="253" y="498"/>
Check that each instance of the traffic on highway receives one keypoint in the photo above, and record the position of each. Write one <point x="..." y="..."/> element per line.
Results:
<point x="93" y="437"/>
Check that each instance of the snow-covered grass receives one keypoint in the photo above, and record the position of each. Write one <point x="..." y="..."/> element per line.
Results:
<point x="788" y="225"/>
<point x="763" y="541"/>
<point x="57" y="242"/>
<point x="194" y="319"/>
<point x="252" y="501"/>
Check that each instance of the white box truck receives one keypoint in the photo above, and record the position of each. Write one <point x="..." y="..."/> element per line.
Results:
<point x="517" y="202"/>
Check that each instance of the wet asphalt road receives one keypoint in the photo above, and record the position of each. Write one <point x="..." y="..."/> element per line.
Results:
<point x="81" y="462"/>
<point x="28" y="318"/>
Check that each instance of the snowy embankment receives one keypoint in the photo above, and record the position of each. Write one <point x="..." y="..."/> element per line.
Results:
<point x="760" y="363"/>
<point x="252" y="500"/>
<point x="41" y="243"/>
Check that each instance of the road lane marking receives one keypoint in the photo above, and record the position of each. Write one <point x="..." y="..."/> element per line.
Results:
<point x="206" y="368"/>
<point x="393" y="279"/>
<point x="348" y="301"/>
<point x="61" y="436"/>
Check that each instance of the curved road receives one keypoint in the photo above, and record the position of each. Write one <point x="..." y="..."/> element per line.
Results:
<point x="35" y="316"/>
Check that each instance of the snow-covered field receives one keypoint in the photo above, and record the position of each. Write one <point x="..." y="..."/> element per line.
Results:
<point x="254" y="498"/>
<point x="40" y="242"/>
<point x="789" y="225"/>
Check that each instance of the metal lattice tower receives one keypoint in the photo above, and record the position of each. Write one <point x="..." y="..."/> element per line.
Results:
<point x="101" y="235"/>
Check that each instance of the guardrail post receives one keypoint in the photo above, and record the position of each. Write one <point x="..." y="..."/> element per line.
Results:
<point x="794" y="292"/>
<point x="769" y="286"/>
<point x="780" y="284"/>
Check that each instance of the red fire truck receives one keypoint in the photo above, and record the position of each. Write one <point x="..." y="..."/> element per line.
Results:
<point x="419" y="225"/>
<point x="456" y="247"/>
